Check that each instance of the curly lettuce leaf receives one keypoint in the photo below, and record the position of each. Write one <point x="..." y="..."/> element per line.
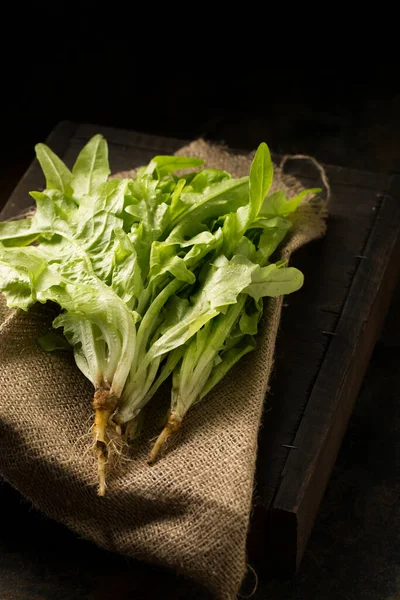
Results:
<point x="97" y="323"/>
<point x="277" y="205"/>
<point x="274" y="281"/>
<point x="165" y="165"/>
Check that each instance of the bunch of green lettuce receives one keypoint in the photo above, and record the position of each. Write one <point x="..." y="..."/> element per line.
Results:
<point x="158" y="274"/>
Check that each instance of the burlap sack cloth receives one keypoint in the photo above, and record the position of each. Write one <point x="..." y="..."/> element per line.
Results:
<point x="191" y="510"/>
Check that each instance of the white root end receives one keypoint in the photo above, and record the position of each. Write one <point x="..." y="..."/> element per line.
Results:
<point x="171" y="427"/>
<point x="101" y="466"/>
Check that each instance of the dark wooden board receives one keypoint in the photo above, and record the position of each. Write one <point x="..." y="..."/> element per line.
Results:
<point x="361" y="259"/>
<point x="317" y="375"/>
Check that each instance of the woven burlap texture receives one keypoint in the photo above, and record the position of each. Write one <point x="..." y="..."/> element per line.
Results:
<point x="191" y="510"/>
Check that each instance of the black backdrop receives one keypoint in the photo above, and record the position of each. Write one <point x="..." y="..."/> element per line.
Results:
<point x="344" y="111"/>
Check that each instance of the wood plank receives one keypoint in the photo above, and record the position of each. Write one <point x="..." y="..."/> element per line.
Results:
<point x="342" y="176"/>
<point x="128" y="138"/>
<point x="329" y="266"/>
<point x="335" y="390"/>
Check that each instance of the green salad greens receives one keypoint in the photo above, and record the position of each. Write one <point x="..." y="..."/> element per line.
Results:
<point x="158" y="275"/>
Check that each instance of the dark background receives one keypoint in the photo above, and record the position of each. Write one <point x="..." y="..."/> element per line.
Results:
<point x="344" y="112"/>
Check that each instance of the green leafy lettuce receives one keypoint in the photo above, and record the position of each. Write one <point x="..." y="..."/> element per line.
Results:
<point x="163" y="273"/>
<point x="251" y="234"/>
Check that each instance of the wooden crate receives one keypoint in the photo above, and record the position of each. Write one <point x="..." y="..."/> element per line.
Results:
<point x="326" y="337"/>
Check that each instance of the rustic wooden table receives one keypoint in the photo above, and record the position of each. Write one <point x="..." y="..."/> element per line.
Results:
<point x="336" y="322"/>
